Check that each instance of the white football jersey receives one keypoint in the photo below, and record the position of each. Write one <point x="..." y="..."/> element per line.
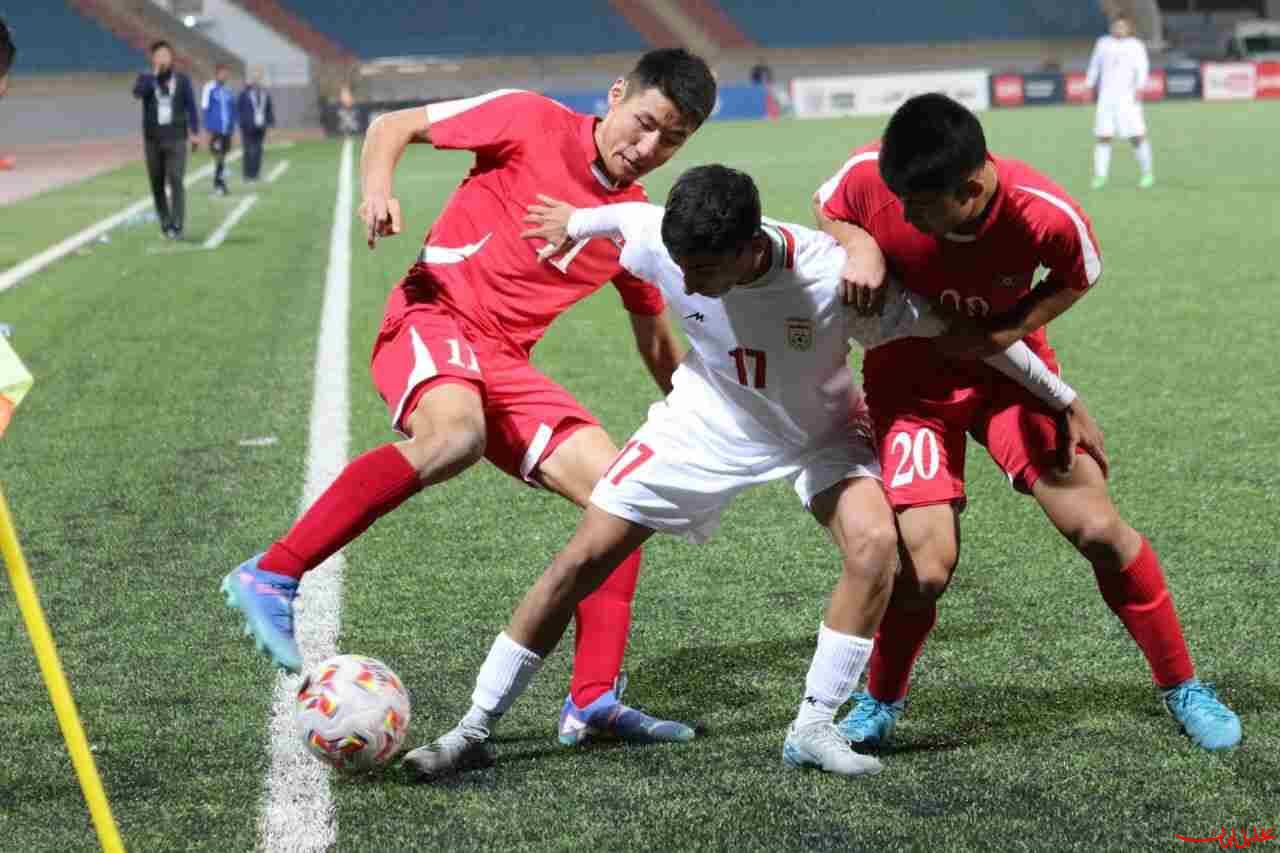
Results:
<point x="1118" y="68"/>
<point x="768" y="362"/>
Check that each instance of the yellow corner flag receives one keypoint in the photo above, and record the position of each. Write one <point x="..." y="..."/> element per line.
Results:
<point x="15" y="381"/>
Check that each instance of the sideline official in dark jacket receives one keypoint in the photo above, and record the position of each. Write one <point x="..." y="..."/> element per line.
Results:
<point x="256" y="115"/>
<point x="170" y="118"/>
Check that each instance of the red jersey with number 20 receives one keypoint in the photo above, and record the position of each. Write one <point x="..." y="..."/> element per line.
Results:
<point x="1031" y="223"/>
<point x="481" y="268"/>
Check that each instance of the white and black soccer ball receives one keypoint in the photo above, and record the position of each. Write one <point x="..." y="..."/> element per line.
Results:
<point x="352" y="712"/>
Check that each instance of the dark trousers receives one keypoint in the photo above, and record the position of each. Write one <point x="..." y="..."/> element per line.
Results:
<point x="219" y="145"/>
<point x="167" y="165"/>
<point x="252" y="141"/>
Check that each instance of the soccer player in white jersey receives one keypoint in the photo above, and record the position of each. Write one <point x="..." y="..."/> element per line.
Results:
<point x="1118" y="71"/>
<point x="765" y="393"/>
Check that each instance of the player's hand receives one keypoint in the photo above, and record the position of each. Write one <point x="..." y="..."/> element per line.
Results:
<point x="1078" y="429"/>
<point x="550" y="221"/>
<point x="381" y="215"/>
<point x="195" y="140"/>
<point x="865" y="277"/>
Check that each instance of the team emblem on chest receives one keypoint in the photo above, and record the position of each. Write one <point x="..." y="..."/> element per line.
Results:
<point x="800" y="333"/>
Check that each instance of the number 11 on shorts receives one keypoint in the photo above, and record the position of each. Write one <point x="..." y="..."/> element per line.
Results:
<point x="633" y="455"/>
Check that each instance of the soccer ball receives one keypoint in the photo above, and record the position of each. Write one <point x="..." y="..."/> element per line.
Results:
<point x="352" y="712"/>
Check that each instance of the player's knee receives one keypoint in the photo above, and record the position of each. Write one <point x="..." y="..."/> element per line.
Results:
<point x="1100" y="538"/>
<point x="929" y="579"/>
<point x="930" y="589"/>
<point x="874" y="549"/>
<point x="451" y="446"/>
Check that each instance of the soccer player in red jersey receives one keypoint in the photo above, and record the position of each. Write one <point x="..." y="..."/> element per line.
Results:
<point x="451" y="359"/>
<point x="930" y="205"/>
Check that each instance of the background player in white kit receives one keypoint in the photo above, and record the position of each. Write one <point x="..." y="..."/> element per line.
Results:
<point x="765" y="393"/>
<point x="1118" y="70"/>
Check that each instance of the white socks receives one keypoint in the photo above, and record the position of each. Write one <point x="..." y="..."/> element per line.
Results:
<point x="1101" y="159"/>
<point x="505" y="674"/>
<point x="837" y="665"/>
<point x="1143" y="151"/>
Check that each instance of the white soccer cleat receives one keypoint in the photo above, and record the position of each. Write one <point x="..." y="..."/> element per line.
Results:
<point x="461" y="748"/>
<point x="820" y="746"/>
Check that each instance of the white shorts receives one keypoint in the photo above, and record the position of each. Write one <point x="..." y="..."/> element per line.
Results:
<point x="1119" y="118"/>
<point x="669" y="477"/>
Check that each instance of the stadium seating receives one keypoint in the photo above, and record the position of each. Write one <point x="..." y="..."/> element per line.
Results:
<point x="805" y="23"/>
<point x="457" y="27"/>
<point x="296" y="30"/>
<point x="52" y="37"/>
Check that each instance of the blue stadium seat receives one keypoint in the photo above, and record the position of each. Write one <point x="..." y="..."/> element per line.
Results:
<point x="811" y="23"/>
<point x="467" y="27"/>
<point x="52" y="37"/>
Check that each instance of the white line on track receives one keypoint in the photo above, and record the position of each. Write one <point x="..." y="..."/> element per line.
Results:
<point x="278" y="171"/>
<point x="298" y="810"/>
<point x="34" y="264"/>
<point x="237" y="213"/>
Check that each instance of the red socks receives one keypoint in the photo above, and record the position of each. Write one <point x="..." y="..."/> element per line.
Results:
<point x="600" y="638"/>
<point x="1138" y="595"/>
<point x="367" y="489"/>
<point x="898" y="643"/>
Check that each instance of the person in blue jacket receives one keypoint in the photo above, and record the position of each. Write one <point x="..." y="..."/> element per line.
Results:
<point x="169" y="119"/>
<point x="218" y="104"/>
<point x="256" y="115"/>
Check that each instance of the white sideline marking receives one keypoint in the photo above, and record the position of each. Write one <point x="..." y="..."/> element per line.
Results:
<point x="277" y="171"/>
<point x="34" y="264"/>
<point x="298" y="811"/>
<point x="216" y="238"/>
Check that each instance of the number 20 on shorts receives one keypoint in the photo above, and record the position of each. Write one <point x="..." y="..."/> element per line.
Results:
<point x="919" y="456"/>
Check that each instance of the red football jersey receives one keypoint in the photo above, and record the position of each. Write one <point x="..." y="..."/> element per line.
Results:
<point x="525" y="144"/>
<point x="1031" y="223"/>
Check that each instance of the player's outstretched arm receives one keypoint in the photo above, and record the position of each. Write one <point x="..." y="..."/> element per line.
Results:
<point x="384" y="143"/>
<point x="865" y="270"/>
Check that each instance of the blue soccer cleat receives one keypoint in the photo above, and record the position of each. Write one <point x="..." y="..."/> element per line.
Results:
<point x="266" y="600"/>
<point x="1209" y="723"/>
<point x="870" y="722"/>
<point x="607" y="715"/>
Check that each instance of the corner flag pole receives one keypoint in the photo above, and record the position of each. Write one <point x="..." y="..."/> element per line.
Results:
<point x="14" y="384"/>
<point x="63" y="705"/>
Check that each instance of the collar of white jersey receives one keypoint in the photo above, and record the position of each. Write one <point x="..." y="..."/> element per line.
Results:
<point x="783" y="254"/>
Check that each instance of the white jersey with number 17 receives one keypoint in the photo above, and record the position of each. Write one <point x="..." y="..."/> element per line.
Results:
<point x="768" y="360"/>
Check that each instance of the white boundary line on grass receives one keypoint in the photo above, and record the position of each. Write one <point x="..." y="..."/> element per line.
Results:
<point x="279" y="170"/>
<point x="34" y="264"/>
<point x="298" y="811"/>
<point x="215" y="239"/>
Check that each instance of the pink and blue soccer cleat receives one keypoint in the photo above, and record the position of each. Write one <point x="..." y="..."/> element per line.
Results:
<point x="266" y="600"/>
<point x="608" y="716"/>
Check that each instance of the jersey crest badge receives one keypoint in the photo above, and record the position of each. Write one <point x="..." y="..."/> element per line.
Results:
<point x="800" y="333"/>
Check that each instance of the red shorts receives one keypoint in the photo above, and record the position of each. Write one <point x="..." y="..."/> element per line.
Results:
<point x="922" y="441"/>
<point x="527" y="416"/>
